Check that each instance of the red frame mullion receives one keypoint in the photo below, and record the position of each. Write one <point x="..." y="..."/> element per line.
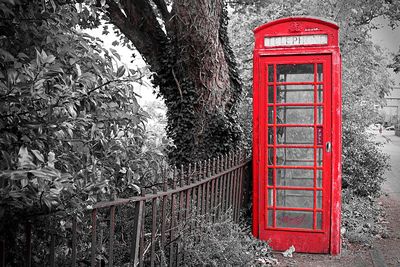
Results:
<point x="294" y="146"/>
<point x="274" y="150"/>
<point x="315" y="147"/>
<point x="294" y="125"/>
<point x="293" y="83"/>
<point x="305" y="230"/>
<point x="295" y="209"/>
<point x="296" y="104"/>
<point x="280" y="187"/>
<point x="294" y="167"/>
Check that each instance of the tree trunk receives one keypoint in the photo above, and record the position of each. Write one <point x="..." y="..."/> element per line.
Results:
<point x="195" y="71"/>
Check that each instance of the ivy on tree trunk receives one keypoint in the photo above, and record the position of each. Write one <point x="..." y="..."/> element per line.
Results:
<point x="193" y="66"/>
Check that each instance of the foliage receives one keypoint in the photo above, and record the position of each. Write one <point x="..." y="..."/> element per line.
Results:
<point x="365" y="76"/>
<point x="362" y="218"/>
<point x="395" y="65"/>
<point x="393" y="14"/>
<point x="71" y="130"/>
<point x="365" y="82"/>
<point x="202" y="119"/>
<point x="364" y="164"/>
<point x="223" y="243"/>
<point x="193" y="67"/>
<point x="245" y="120"/>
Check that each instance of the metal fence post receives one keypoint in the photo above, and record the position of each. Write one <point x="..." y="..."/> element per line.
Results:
<point x="2" y="253"/>
<point x="28" y="244"/>
<point x="137" y="228"/>
<point x="205" y="190"/>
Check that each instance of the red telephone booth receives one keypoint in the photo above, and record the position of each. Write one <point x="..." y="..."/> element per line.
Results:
<point x="297" y="135"/>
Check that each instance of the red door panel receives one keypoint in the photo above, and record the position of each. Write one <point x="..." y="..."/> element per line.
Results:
<point x="295" y="128"/>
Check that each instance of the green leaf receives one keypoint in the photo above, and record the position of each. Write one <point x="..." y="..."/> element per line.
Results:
<point x="53" y="5"/>
<point x="136" y="187"/>
<point x="121" y="71"/>
<point x="113" y="105"/>
<point x="50" y="59"/>
<point x="43" y="174"/>
<point x="43" y="56"/>
<point x="24" y="182"/>
<point x="71" y="110"/>
<point x="15" y="175"/>
<point x="7" y="10"/>
<point x="79" y="7"/>
<point x="38" y="155"/>
<point x="78" y="70"/>
<point x="6" y="55"/>
<point x="51" y="159"/>
<point x="115" y="53"/>
<point x="12" y="75"/>
<point x="22" y="55"/>
<point x="6" y="158"/>
<point x="46" y="202"/>
<point x="25" y="160"/>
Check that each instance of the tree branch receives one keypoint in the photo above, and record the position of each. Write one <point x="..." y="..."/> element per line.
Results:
<point x="162" y="7"/>
<point x="177" y="83"/>
<point x="137" y="21"/>
<point x="106" y="83"/>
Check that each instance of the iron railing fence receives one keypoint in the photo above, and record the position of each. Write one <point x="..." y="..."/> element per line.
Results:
<point x="143" y="230"/>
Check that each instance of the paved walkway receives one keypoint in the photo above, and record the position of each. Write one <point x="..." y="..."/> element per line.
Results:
<point x="392" y="147"/>
<point x="384" y="252"/>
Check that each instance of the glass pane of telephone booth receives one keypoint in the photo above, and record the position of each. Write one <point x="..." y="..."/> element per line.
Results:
<point x="295" y="177"/>
<point x="295" y="93"/>
<point x="294" y="135"/>
<point x="295" y="156"/>
<point x="295" y="73"/>
<point x="294" y="219"/>
<point x="295" y="115"/>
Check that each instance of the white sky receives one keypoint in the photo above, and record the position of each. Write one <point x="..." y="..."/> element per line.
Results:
<point x="145" y="90"/>
<point x="387" y="38"/>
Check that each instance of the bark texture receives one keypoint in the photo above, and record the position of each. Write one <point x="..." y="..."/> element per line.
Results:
<point x="194" y="68"/>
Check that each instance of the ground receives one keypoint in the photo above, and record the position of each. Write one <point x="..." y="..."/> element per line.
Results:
<point x="384" y="251"/>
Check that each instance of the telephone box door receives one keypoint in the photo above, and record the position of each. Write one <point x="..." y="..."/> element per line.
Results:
<point x="295" y="158"/>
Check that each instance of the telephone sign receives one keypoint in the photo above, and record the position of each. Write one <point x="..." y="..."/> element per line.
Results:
<point x="297" y="135"/>
<point x="296" y="40"/>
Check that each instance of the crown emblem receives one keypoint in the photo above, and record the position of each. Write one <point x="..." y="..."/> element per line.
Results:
<point x="295" y="27"/>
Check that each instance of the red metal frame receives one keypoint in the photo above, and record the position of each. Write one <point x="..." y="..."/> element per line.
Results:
<point x="313" y="240"/>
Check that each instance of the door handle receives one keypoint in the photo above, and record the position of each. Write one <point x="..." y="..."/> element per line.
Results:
<point x="328" y="147"/>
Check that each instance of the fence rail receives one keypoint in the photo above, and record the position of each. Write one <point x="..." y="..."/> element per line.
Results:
<point x="146" y="229"/>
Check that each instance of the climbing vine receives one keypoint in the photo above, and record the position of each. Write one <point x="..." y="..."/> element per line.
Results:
<point x="201" y="113"/>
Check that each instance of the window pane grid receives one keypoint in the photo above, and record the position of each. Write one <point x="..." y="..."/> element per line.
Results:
<point x="287" y="187"/>
<point x="315" y="148"/>
<point x="274" y="158"/>
<point x="309" y="217"/>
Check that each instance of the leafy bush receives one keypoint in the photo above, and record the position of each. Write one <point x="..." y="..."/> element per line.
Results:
<point x="69" y="117"/>
<point x="222" y="243"/>
<point x="71" y="130"/>
<point x="364" y="164"/>
<point x="361" y="218"/>
<point x="245" y="119"/>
